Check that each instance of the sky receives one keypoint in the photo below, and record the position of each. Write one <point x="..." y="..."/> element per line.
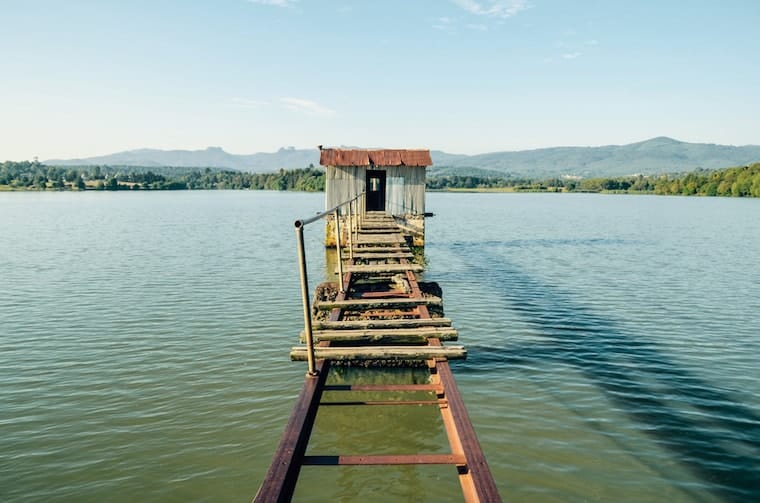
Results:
<point x="85" y="78"/>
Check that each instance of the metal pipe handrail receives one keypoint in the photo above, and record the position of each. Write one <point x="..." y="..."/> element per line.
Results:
<point x="306" y="221"/>
<point x="300" y="224"/>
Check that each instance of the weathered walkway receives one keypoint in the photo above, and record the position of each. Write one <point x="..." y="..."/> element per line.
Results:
<point x="383" y="317"/>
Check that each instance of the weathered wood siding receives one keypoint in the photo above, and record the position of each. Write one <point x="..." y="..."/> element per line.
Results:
<point x="414" y="190"/>
<point x="344" y="182"/>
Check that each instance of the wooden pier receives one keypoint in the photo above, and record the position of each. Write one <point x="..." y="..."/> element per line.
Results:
<point x="379" y="314"/>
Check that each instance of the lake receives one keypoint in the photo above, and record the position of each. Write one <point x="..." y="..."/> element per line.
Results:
<point x="613" y="346"/>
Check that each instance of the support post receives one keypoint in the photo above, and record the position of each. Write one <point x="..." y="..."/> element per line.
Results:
<point x="362" y="210"/>
<point x="350" y="231"/>
<point x="358" y="204"/>
<point x="337" y="249"/>
<point x="305" y="297"/>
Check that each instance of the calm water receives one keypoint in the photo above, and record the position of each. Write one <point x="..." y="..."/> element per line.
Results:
<point x="613" y="348"/>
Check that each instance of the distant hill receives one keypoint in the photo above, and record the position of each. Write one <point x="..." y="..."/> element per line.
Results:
<point x="211" y="157"/>
<point x="658" y="155"/>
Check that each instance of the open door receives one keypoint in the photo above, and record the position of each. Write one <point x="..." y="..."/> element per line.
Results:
<point x="375" y="190"/>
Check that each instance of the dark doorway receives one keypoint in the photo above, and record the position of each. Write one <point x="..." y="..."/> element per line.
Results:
<point x="375" y="190"/>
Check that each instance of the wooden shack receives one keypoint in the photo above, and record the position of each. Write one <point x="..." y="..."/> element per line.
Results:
<point x="394" y="182"/>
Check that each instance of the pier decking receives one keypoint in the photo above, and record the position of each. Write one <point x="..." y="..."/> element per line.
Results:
<point x="382" y="315"/>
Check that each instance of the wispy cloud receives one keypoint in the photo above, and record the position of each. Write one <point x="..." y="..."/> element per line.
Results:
<point x="573" y="49"/>
<point x="477" y="27"/>
<point x="443" y="23"/>
<point x="276" y="3"/>
<point x="493" y="8"/>
<point x="306" y="106"/>
<point x="248" y="103"/>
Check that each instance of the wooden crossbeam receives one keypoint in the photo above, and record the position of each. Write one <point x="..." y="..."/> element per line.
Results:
<point x="383" y="255"/>
<point x="386" y="336"/>
<point x="380" y="249"/>
<point x="382" y="353"/>
<point x="381" y="268"/>
<point x="377" y="303"/>
<point x="380" y="239"/>
<point x="366" y="324"/>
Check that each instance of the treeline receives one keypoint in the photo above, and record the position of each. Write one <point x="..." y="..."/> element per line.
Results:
<point x="33" y="175"/>
<point x="735" y="182"/>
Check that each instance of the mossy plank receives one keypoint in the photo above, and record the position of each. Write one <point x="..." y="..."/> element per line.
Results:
<point x="382" y="353"/>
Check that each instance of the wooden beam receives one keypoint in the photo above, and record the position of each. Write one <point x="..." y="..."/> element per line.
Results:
<point x="383" y="255"/>
<point x="387" y="336"/>
<point x="381" y="268"/>
<point x="382" y="353"/>
<point x="366" y="324"/>
<point x="377" y="303"/>
<point x="393" y="239"/>
<point x="380" y="249"/>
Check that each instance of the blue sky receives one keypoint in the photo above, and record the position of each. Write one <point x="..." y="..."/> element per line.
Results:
<point x="84" y="78"/>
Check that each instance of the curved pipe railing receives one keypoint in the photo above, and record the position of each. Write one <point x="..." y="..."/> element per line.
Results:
<point x="356" y="207"/>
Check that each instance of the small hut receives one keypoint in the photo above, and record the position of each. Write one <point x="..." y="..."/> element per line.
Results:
<point x="394" y="182"/>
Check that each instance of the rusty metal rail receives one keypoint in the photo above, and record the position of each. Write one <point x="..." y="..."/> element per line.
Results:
<point x="374" y="312"/>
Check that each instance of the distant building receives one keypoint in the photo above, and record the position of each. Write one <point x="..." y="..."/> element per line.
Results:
<point x="394" y="182"/>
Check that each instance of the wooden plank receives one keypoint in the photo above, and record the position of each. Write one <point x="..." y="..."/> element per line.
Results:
<point x="383" y="255"/>
<point x="382" y="353"/>
<point x="385" y="336"/>
<point x="366" y="324"/>
<point x="393" y="239"/>
<point x="380" y="249"/>
<point x="377" y="303"/>
<point x="280" y="480"/>
<point x="398" y="459"/>
<point x="380" y="230"/>
<point x="381" y="268"/>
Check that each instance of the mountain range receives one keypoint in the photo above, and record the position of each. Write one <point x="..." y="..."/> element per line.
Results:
<point x="655" y="156"/>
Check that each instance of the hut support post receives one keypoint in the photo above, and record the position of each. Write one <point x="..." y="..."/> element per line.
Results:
<point x="350" y="231"/>
<point x="305" y="297"/>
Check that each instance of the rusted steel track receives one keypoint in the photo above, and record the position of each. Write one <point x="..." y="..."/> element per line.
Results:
<point x="362" y="316"/>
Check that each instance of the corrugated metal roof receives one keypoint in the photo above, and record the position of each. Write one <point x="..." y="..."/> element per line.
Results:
<point x="386" y="157"/>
